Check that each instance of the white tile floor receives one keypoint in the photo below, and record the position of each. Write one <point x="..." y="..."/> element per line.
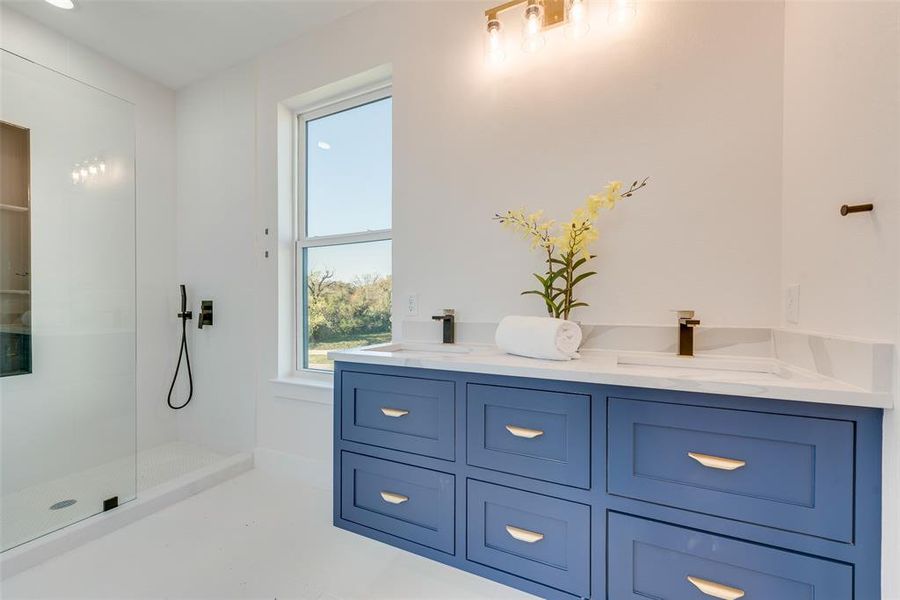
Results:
<point x="255" y="536"/>
<point x="26" y="513"/>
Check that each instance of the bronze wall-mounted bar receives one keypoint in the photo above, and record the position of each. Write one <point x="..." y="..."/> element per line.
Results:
<point x="855" y="208"/>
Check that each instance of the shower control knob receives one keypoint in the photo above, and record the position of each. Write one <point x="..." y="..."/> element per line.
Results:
<point x="206" y="313"/>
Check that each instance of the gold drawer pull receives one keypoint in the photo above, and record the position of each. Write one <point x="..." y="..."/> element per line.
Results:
<point x="717" y="462"/>
<point x="392" y="498"/>
<point x="393" y="412"/>
<point x="523" y="535"/>
<point x="716" y="590"/>
<point x="524" y="432"/>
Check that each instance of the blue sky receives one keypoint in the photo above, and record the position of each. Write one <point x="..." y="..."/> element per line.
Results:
<point x="349" y="187"/>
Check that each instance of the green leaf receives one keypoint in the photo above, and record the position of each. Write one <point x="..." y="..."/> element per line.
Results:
<point x="583" y="276"/>
<point x="550" y="306"/>
<point x="577" y="304"/>
<point x="553" y="277"/>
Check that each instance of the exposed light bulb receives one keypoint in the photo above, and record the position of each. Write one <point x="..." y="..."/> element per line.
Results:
<point x="578" y="25"/>
<point x="622" y="12"/>
<point x="84" y="173"/>
<point x="495" y="53"/>
<point x="76" y="176"/>
<point x="532" y="36"/>
<point x="92" y="169"/>
<point x="102" y="167"/>
<point x="64" y="4"/>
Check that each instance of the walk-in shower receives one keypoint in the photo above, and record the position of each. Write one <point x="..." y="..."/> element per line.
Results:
<point x="71" y="444"/>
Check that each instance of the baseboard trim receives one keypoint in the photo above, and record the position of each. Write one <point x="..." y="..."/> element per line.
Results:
<point x="316" y="473"/>
<point x="18" y="559"/>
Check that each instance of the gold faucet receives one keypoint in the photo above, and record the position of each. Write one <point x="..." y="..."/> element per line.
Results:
<point x="686" y="324"/>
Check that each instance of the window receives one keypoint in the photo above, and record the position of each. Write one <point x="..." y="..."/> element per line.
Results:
<point x="344" y="242"/>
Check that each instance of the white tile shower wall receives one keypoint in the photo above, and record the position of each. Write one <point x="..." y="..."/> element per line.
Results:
<point x="217" y="255"/>
<point x="155" y="200"/>
<point x="842" y="86"/>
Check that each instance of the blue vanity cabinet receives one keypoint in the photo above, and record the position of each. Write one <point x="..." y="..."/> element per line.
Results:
<point x="572" y="490"/>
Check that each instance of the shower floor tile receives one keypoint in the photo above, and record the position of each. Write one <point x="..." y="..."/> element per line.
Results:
<point x="255" y="536"/>
<point x="26" y="514"/>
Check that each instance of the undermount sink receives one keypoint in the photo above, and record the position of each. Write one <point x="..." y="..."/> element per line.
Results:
<point x="706" y="363"/>
<point x="418" y="348"/>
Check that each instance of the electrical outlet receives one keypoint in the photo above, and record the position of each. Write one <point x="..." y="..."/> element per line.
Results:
<point x="412" y="305"/>
<point x="792" y="304"/>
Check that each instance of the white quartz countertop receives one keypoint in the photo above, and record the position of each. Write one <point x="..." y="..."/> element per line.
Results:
<point x="735" y="376"/>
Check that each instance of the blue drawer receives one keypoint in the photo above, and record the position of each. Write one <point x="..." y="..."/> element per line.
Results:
<point x="648" y="559"/>
<point x="403" y="413"/>
<point x="537" y="537"/>
<point x="408" y="502"/>
<point x="534" y="433"/>
<point x="797" y="472"/>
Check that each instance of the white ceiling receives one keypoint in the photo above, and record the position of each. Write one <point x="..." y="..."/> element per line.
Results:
<point x="176" y="42"/>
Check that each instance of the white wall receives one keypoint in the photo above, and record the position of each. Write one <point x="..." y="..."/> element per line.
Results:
<point x="842" y="145"/>
<point x="217" y="254"/>
<point x="155" y="205"/>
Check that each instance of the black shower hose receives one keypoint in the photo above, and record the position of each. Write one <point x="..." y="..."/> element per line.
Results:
<point x="183" y="351"/>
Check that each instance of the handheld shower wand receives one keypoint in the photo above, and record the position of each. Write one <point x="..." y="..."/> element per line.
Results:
<point x="184" y="315"/>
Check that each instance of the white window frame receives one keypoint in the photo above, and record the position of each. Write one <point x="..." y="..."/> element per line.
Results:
<point x="302" y="240"/>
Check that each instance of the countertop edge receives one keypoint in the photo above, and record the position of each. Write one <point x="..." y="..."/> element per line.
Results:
<point x="840" y="397"/>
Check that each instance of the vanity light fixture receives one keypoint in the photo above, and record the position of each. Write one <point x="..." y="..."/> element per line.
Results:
<point x="495" y="52"/>
<point x="64" y="4"/>
<point x="533" y="31"/>
<point x="539" y="16"/>
<point x="578" y="25"/>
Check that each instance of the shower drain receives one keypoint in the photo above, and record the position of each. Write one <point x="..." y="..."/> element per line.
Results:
<point x="63" y="504"/>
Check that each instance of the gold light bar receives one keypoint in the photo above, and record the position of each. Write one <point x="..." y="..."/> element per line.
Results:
<point x="554" y="11"/>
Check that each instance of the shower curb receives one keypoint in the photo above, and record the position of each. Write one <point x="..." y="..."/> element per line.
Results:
<point x="18" y="559"/>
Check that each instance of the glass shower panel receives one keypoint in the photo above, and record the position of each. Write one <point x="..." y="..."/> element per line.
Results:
<point x="67" y="413"/>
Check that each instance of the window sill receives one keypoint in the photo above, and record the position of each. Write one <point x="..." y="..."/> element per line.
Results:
<point x="309" y="387"/>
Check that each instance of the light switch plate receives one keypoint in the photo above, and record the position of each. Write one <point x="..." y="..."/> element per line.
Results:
<point x="412" y="305"/>
<point x="792" y="304"/>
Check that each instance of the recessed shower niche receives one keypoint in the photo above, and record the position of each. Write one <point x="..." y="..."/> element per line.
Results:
<point x="15" y="250"/>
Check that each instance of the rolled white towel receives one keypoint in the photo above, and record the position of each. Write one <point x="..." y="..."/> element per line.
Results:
<point x="539" y="337"/>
